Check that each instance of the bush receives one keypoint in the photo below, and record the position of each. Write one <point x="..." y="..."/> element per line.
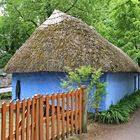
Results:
<point x="7" y="95"/>
<point x="91" y="77"/>
<point x="4" y="58"/>
<point x="120" y="113"/>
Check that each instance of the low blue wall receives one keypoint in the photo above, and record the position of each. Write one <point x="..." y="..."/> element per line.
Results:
<point x="118" y="86"/>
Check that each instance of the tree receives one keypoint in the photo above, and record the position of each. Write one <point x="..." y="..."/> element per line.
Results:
<point x="19" y="21"/>
<point x="125" y="15"/>
<point x="117" y="20"/>
<point x="21" y="18"/>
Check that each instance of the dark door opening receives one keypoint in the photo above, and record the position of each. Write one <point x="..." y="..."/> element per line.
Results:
<point x="18" y="90"/>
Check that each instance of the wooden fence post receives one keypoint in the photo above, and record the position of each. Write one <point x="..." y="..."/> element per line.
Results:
<point x="37" y="118"/>
<point x="3" y="123"/>
<point x="41" y="113"/>
<point x="84" y="108"/>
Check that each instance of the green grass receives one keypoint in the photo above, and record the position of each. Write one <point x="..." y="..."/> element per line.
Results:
<point x="121" y="112"/>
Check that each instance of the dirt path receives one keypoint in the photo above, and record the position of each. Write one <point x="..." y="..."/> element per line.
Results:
<point x="128" y="131"/>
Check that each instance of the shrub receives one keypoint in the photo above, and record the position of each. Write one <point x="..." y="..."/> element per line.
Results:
<point x="120" y="113"/>
<point x="4" y="57"/>
<point x="7" y="95"/>
<point x="92" y="79"/>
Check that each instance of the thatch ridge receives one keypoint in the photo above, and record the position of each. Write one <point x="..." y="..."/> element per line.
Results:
<point x="64" y="41"/>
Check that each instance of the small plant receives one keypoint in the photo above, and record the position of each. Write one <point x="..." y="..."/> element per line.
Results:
<point x="121" y="112"/>
<point x="86" y="75"/>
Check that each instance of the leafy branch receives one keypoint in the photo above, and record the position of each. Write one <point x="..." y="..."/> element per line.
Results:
<point x="86" y="75"/>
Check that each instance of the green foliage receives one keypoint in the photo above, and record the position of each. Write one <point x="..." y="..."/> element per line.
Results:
<point x="19" y="21"/>
<point x="7" y="95"/>
<point x="121" y="112"/>
<point x="99" y="92"/>
<point x="86" y="75"/>
<point x="75" y="78"/>
<point x="116" y="20"/>
<point x="4" y="57"/>
<point x="125" y="17"/>
<point x="22" y="17"/>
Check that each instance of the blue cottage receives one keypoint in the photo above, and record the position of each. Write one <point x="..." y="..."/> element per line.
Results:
<point x="65" y="41"/>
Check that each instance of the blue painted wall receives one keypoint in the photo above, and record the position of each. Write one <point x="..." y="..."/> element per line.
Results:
<point x="43" y="82"/>
<point x="103" y="103"/>
<point x="119" y="85"/>
<point x="35" y="83"/>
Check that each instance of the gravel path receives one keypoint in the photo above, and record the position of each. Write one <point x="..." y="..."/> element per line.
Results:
<point x="128" y="131"/>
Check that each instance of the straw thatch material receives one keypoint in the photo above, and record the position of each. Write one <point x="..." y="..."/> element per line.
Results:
<point x="64" y="41"/>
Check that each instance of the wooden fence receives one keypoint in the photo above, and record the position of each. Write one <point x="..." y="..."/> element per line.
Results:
<point x="43" y="117"/>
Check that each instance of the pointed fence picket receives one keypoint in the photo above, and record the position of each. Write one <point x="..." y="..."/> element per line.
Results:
<point x="48" y="117"/>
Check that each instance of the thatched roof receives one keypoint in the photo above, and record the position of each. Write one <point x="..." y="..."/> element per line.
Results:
<point x="64" y="41"/>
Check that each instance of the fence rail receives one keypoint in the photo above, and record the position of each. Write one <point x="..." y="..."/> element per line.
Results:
<point x="43" y="117"/>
